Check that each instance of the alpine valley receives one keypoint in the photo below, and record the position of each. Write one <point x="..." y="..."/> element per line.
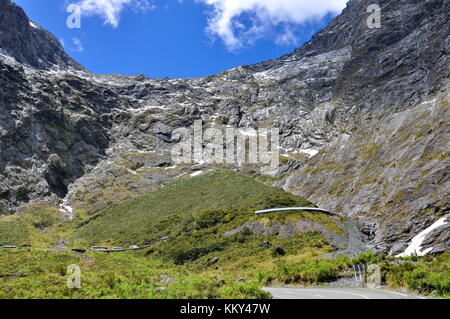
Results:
<point x="363" y="116"/>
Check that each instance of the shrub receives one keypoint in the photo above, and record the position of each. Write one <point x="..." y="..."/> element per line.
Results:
<point x="308" y="271"/>
<point x="424" y="276"/>
<point x="44" y="221"/>
<point x="416" y="279"/>
<point x="439" y="282"/>
<point x="242" y="289"/>
<point x="279" y="201"/>
<point x="278" y="251"/>
<point x="366" y="258"/>
<point x="209" y="218"/>
<point x="181" y="257"/>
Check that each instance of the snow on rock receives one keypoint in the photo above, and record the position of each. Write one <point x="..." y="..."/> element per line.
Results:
<point x="289" y="151"/>
<point x="170" y="167"/>
<point x="415" y="246"/>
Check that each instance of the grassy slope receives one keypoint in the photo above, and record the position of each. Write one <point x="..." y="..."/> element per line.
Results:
<point x="166" y="211"/>
<point x="195" y="211"/>
<point x="36" y="225"/>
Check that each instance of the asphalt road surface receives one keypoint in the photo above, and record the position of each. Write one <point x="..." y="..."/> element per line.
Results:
<point x="336" y="293"/>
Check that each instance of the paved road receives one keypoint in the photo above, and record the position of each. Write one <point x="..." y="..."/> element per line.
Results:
<point x="336" y="293"/>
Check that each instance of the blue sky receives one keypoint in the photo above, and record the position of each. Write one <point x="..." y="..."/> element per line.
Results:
<point x="181" y="38"/>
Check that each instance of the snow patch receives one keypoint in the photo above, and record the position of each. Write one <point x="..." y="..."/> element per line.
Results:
<point x="66" y="209"/>
<point x="147" y="108"/>
<point x="132" y="172"/>
<point x="415" y="246"/>
<point x="200" y="163"/>
<point x="196" y="173"/>
<point x="311" y="152"/>
<point x="248" y="132"/>
<point x="33" y="25"/>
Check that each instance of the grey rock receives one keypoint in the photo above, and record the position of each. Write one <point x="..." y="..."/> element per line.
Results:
<point x="166" y="279"/>
<point x="266" y="244"/>
<point x="398" y="248"/>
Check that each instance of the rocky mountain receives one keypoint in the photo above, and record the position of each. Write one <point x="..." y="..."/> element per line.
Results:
<point x="29" y="44"/>
<point x="363" y="117"/>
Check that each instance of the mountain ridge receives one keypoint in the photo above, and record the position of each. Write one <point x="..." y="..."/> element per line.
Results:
<point x="30" y="44"/>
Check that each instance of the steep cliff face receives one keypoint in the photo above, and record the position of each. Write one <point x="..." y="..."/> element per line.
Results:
<point x="373" y="102"/>
<point x="391" y="173"/>
<point x="28" y="43"/>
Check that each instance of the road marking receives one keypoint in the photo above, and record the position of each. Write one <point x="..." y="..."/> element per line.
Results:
<point x="323" y="293"/>
<point x="282" y="291"/>
<point x="398" y="293"/>
<point x="340" y="292"/>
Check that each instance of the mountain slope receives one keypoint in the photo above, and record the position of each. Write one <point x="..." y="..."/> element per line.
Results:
<point x="393" y="175"/>
<point x="217" y="197"/>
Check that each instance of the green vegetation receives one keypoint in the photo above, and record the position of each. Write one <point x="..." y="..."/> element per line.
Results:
<point x="203" y="262"/>
<point x="167" y="211"/>
<point x="30" y="227"/>
<point x="309" y="270"/>
<point x="238" y="272"/>
<point x="218" y="247"/>
<point x="197" y="213"/>
<point x="426" y="275"/>
<point x="211" y="218"/>
<point x="437" y="155"/>
<point x="42" y="274"/>
<point x="429" y="275"/>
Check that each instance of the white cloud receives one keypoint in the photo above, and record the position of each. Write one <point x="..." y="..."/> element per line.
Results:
<point x="77" y="45"/>
<point x="110" y="10"/>
<point x="236" y="22"/>
<point x="227" y="18"/>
